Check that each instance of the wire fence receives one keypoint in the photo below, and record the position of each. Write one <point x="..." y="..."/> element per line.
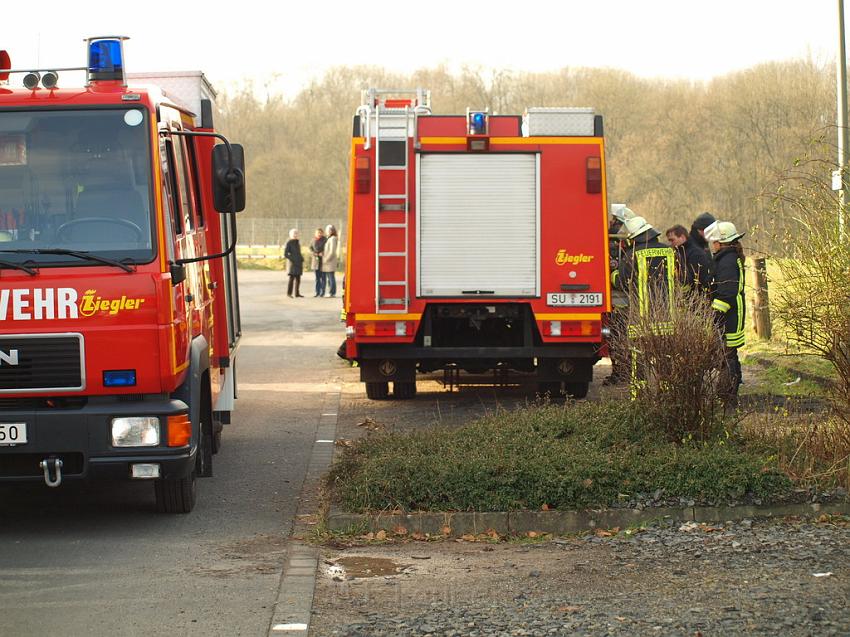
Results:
<point x="275" y="230"/>
<point x="264" y="238"/>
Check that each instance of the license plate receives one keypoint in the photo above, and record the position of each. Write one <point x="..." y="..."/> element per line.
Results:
<point x="13" y="433"/>
<point x="573" y="299"/>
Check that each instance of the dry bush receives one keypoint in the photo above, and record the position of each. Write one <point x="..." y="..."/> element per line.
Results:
<point x="810" y="448"/>
<point x="677" y="362"/>
<point x="813" y="304"/>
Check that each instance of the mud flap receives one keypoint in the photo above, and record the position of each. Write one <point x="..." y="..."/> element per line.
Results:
<point x="569" y="370"/>
<point x="381" y="370"/>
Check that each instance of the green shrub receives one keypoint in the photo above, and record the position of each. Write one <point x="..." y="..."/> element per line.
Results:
<point x="576" y="456"/>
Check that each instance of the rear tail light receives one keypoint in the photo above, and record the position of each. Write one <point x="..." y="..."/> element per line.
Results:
<point x="572" y="328"/>
<point x="594" y="175"/>
<point x="362" y="175"/>
<point x="383" y="328"/>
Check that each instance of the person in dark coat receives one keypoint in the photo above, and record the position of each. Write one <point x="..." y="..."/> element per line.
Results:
<point x="698" y="230"/>
<point x="727" y="297"/>
<point x="693" y="265"/>
<point x="295" y="267"/>
<point x="317" y="248"/>
<point x="647" y="274"/>
<point x="617" y="246"/>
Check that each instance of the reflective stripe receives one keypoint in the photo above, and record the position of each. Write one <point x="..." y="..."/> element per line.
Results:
<point x="643" y="255"/>
<point x="735" y="339"/>
<point x="720" y="306"/>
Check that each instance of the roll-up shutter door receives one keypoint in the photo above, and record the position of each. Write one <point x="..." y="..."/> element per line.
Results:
<point x="478" y="225"/>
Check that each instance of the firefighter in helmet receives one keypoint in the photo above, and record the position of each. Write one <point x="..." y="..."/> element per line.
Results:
<point x="617" y="247"/>
<point x="727" y="297"/>
<point x="648" y="275"/>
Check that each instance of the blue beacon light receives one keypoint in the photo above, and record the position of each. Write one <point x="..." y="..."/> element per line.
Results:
<point x="106" y="59"/>
<point x="479" y="123"/>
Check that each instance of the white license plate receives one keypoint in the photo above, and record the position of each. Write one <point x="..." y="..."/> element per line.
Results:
<point x="572" y="299"/>
<point x="13" y="433"/>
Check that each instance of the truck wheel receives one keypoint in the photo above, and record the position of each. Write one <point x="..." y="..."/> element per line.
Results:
<point x="552" y="389"/>
<point x="404" y="391"/>
<point x="577" y="390"/>
<point x="204" y="462"/>
<point x="176" y="496"/>
<point x="378" y="391"/>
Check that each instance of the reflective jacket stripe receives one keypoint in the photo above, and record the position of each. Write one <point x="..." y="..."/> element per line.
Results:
<point x="720" y="306"/>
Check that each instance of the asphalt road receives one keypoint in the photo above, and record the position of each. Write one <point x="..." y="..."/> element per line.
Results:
<point x="97" y="559"/>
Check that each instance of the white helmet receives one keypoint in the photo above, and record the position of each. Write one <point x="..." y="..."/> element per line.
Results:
<point x="723" y="231"/>
<point x="636" y="226"/>
<point x="621" y="212"/>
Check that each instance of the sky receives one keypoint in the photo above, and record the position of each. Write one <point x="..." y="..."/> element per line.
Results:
<point x="284" y="45"/>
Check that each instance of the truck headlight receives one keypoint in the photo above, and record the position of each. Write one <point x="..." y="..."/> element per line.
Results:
<point x="135" y="431"/>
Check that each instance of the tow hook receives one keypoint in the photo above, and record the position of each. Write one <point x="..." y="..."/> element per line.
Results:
<point x="52" y="464"/>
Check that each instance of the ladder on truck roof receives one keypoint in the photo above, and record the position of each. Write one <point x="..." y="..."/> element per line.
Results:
<point x="395" y="120"/>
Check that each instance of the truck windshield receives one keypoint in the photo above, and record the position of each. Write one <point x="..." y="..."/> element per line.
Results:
<point x="75" y="180"/>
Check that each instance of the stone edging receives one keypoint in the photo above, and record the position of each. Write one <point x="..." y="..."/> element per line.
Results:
<point x="561" y="522"/>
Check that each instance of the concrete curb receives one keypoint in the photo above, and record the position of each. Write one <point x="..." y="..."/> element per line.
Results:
<point x="292" y="610"/>
<point x="560" y="522"/>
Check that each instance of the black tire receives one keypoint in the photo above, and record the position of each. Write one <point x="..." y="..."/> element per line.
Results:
<point x="405" y="390"/>
<point x="378" y="391"/>
<point x="204" y="459"/>
<point x="576" y="390"/>
<point x="176" y="496"/>
<point x="552" y="389"/>
<point x="216" y="441"/>
<point x="206" y="445"/>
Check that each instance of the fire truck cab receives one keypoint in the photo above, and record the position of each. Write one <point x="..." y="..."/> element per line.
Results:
<point x="119" y="314"/>
<point x="477" y="243"/>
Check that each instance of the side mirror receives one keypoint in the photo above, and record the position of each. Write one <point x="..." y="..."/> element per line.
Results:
<point x="228" y="178"/>
<point x="178" y="273"/>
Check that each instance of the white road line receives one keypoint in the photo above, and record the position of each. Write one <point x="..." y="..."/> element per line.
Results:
<point x="290" y="627"/>
<point x="324" y="441"/>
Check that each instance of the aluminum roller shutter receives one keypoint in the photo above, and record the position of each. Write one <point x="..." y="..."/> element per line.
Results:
<point x="478" y="221"/>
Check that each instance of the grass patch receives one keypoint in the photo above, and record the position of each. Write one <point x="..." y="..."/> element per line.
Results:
<point x="566" y="457"/>
<point x="785" y="374"/>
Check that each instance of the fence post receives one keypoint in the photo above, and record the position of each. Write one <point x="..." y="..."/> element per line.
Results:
<point x="761" y="302"/>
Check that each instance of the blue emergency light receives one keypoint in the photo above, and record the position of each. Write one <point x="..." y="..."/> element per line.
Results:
<point x="106" y="58"/>
<point x="478" y="124"/>
<point x="119" y="378"/>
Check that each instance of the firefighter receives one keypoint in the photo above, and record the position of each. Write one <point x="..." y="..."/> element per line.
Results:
<point x="617" y="246"/>
<point x="727" y="298"/>
<point x="698" y="231"/>
<point x="694" y="265"/>
<point x="647" y="273"/>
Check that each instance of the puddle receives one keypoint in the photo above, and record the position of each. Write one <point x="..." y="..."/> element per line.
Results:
<point x="357" y="567"/>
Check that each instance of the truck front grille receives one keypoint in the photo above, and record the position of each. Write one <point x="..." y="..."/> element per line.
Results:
<point x="44" y="362"/>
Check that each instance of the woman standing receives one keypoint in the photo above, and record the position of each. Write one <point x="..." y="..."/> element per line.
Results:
<point x="329" y="260"/>
<point x="295" y="267"/>
<point x="317" y="249"/>
<point x="727" y="296"/>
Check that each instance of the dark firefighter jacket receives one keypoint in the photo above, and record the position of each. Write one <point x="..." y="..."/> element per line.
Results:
<point x="648" y="266"/>
<point x="696" y="267"/>
<point x="727" y="296"/>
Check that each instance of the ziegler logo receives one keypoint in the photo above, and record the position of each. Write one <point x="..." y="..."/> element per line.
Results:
<point x="90" y="304"/>
<point x="563" y="257"/>
<point x="8" y="358"/>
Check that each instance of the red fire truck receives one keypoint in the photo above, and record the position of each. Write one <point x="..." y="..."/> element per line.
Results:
<point x="477" y="242"/>
<point x="119" y="315"/>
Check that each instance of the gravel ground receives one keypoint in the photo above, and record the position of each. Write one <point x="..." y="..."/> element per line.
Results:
<point x="785" y="577"/>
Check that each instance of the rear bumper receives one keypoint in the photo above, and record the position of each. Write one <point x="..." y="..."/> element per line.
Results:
<point x="82" y="439"/>
<point x="572" y="362"/>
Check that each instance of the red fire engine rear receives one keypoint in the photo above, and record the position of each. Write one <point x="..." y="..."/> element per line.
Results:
<point x="477" y="242"/>
<point x="118" y="293"/>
